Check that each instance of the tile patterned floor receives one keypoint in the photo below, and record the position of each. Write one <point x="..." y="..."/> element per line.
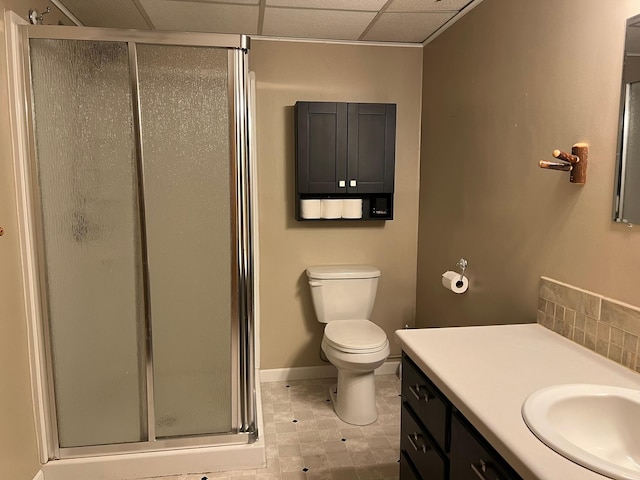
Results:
<point x="305" y="440"/>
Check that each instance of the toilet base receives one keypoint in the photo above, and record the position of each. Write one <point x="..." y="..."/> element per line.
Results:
<point x="355" y="399"/>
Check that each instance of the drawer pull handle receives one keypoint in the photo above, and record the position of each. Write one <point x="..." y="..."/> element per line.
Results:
<point x="413" y="440"/>
<point x="420" y="394"/>
<point x="480" y="469"/>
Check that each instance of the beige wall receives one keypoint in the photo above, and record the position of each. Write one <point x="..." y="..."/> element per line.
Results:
<point x="499" y="95"/>
<point x="287" y="72"/>
<point x="18" y="451"/>
<point x="508" y="84"/>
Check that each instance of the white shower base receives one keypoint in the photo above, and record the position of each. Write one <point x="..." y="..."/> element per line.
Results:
<point x="156" y="464"/>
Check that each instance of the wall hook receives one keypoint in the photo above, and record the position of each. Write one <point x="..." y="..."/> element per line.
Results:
<point x="38" y="18"/>
<point x="575" y="163"/>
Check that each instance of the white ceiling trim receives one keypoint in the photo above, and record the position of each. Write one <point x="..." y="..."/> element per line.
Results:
<point x="337" y="42"/>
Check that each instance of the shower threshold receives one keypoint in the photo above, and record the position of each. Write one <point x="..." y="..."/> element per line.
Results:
<point x="176" y="461"/>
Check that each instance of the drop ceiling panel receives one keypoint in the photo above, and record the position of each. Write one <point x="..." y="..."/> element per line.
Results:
<point x="202" y="16"/>
<point x="107" y="13"/>
<point x="308" y="23"/>
<point x="406" y="27"/>
<point x="244" y="2"/>
<point x="405" y="21"/>
<point x="366" y="5"/>
<point x="426" y="5"/>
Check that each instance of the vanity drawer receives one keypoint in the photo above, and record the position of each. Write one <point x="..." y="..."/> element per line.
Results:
<point x="407" y="470"/>
<point x="418" y="446"/>
<point x="426" y="401"/>
<point x="472" y="458"/>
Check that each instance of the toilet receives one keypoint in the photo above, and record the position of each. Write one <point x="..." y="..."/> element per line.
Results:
<point x="343" y="297"/>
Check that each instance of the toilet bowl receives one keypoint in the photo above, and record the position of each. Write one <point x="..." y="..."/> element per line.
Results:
<point x="343" y="298"/>
<point x="356" y="358"/>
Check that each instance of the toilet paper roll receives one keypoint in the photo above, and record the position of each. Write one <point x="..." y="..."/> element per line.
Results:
<point x="331" y="208"/>
<point x="310" y="208"/>
<point x="451" y="281"/>
<point x="352" y="208"/>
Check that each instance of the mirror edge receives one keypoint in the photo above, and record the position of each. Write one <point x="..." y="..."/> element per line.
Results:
<point x="618" y="190"/>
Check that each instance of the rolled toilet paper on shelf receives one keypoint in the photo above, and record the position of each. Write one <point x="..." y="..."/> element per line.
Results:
<point x="352" y="208"/>
<point x="451" y="281"/>
<point x="310" y="208"/>
<point x="331" y="208"/>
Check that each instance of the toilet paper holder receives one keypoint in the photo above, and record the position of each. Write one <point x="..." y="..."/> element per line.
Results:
<point x="462" y="265"/>
<point x="454" y="281"/>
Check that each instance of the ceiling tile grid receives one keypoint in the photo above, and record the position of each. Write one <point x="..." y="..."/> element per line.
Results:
<point x="405" y="21"/>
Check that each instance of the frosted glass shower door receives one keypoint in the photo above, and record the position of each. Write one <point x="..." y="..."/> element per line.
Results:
<point x="141" y="247"/>
<point x="90" y="239"/>
<point x="184" y="103"/>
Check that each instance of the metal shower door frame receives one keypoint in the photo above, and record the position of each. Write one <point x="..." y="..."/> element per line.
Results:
<point x="244" y="424"/>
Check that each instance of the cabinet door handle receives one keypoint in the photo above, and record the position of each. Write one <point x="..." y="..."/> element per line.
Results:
<point x="419" y="394"/>
<point x="418" y="447"/>
<point x="342" y="184"/>
<point x="352" y="183"/>
<point x="480" y="469"/>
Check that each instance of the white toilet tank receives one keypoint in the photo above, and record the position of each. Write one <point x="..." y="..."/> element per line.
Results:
<point x="343" y="292"/>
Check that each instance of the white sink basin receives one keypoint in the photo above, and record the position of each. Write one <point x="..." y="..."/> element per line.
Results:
<point x="596" y="426"/>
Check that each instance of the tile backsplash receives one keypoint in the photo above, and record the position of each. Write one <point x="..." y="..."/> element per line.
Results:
<point x="606" y="326"/>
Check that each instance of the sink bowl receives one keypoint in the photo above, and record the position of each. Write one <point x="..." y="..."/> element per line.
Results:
<point x="596" y="426"/>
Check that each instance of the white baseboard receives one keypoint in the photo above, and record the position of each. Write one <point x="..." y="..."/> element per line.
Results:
<point x="390" y="367"/>
<point x="39" y="475"/>
<point x="297" y="373"/>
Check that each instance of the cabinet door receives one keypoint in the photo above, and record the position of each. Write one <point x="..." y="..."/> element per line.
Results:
<point x="372" y="147"/>
<point x="321" y="143"/>
<point x="419" y="447"/>
<point x="426" y="400"/>
<point x="472" y="458"/>
<point x="407" y="470"/>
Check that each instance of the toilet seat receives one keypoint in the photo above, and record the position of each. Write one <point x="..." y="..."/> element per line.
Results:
<point x="355" y="336"/>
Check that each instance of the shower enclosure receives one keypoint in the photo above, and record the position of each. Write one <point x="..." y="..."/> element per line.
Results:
<point x="141" y="231"/>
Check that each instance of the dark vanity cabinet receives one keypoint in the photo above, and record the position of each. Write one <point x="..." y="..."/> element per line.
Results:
<point x="472" y="457"/>
<point x="346" y="150"/>
<point x="437" y="442"/>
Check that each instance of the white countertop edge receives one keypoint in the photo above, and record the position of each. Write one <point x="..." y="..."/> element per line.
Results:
<point x="487" y="372"/>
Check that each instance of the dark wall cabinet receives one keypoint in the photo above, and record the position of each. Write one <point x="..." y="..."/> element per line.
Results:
<point x="346" y="150"/>
<point x="437" y="442"/>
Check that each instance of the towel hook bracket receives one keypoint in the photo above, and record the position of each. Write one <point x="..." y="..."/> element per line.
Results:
<point x="575" y="163"/>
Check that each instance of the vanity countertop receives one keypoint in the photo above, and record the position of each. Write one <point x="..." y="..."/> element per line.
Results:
<point x="487" y="372"/>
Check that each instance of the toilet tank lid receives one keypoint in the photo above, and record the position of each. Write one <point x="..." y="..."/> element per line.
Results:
<point x="324" y="272"/>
